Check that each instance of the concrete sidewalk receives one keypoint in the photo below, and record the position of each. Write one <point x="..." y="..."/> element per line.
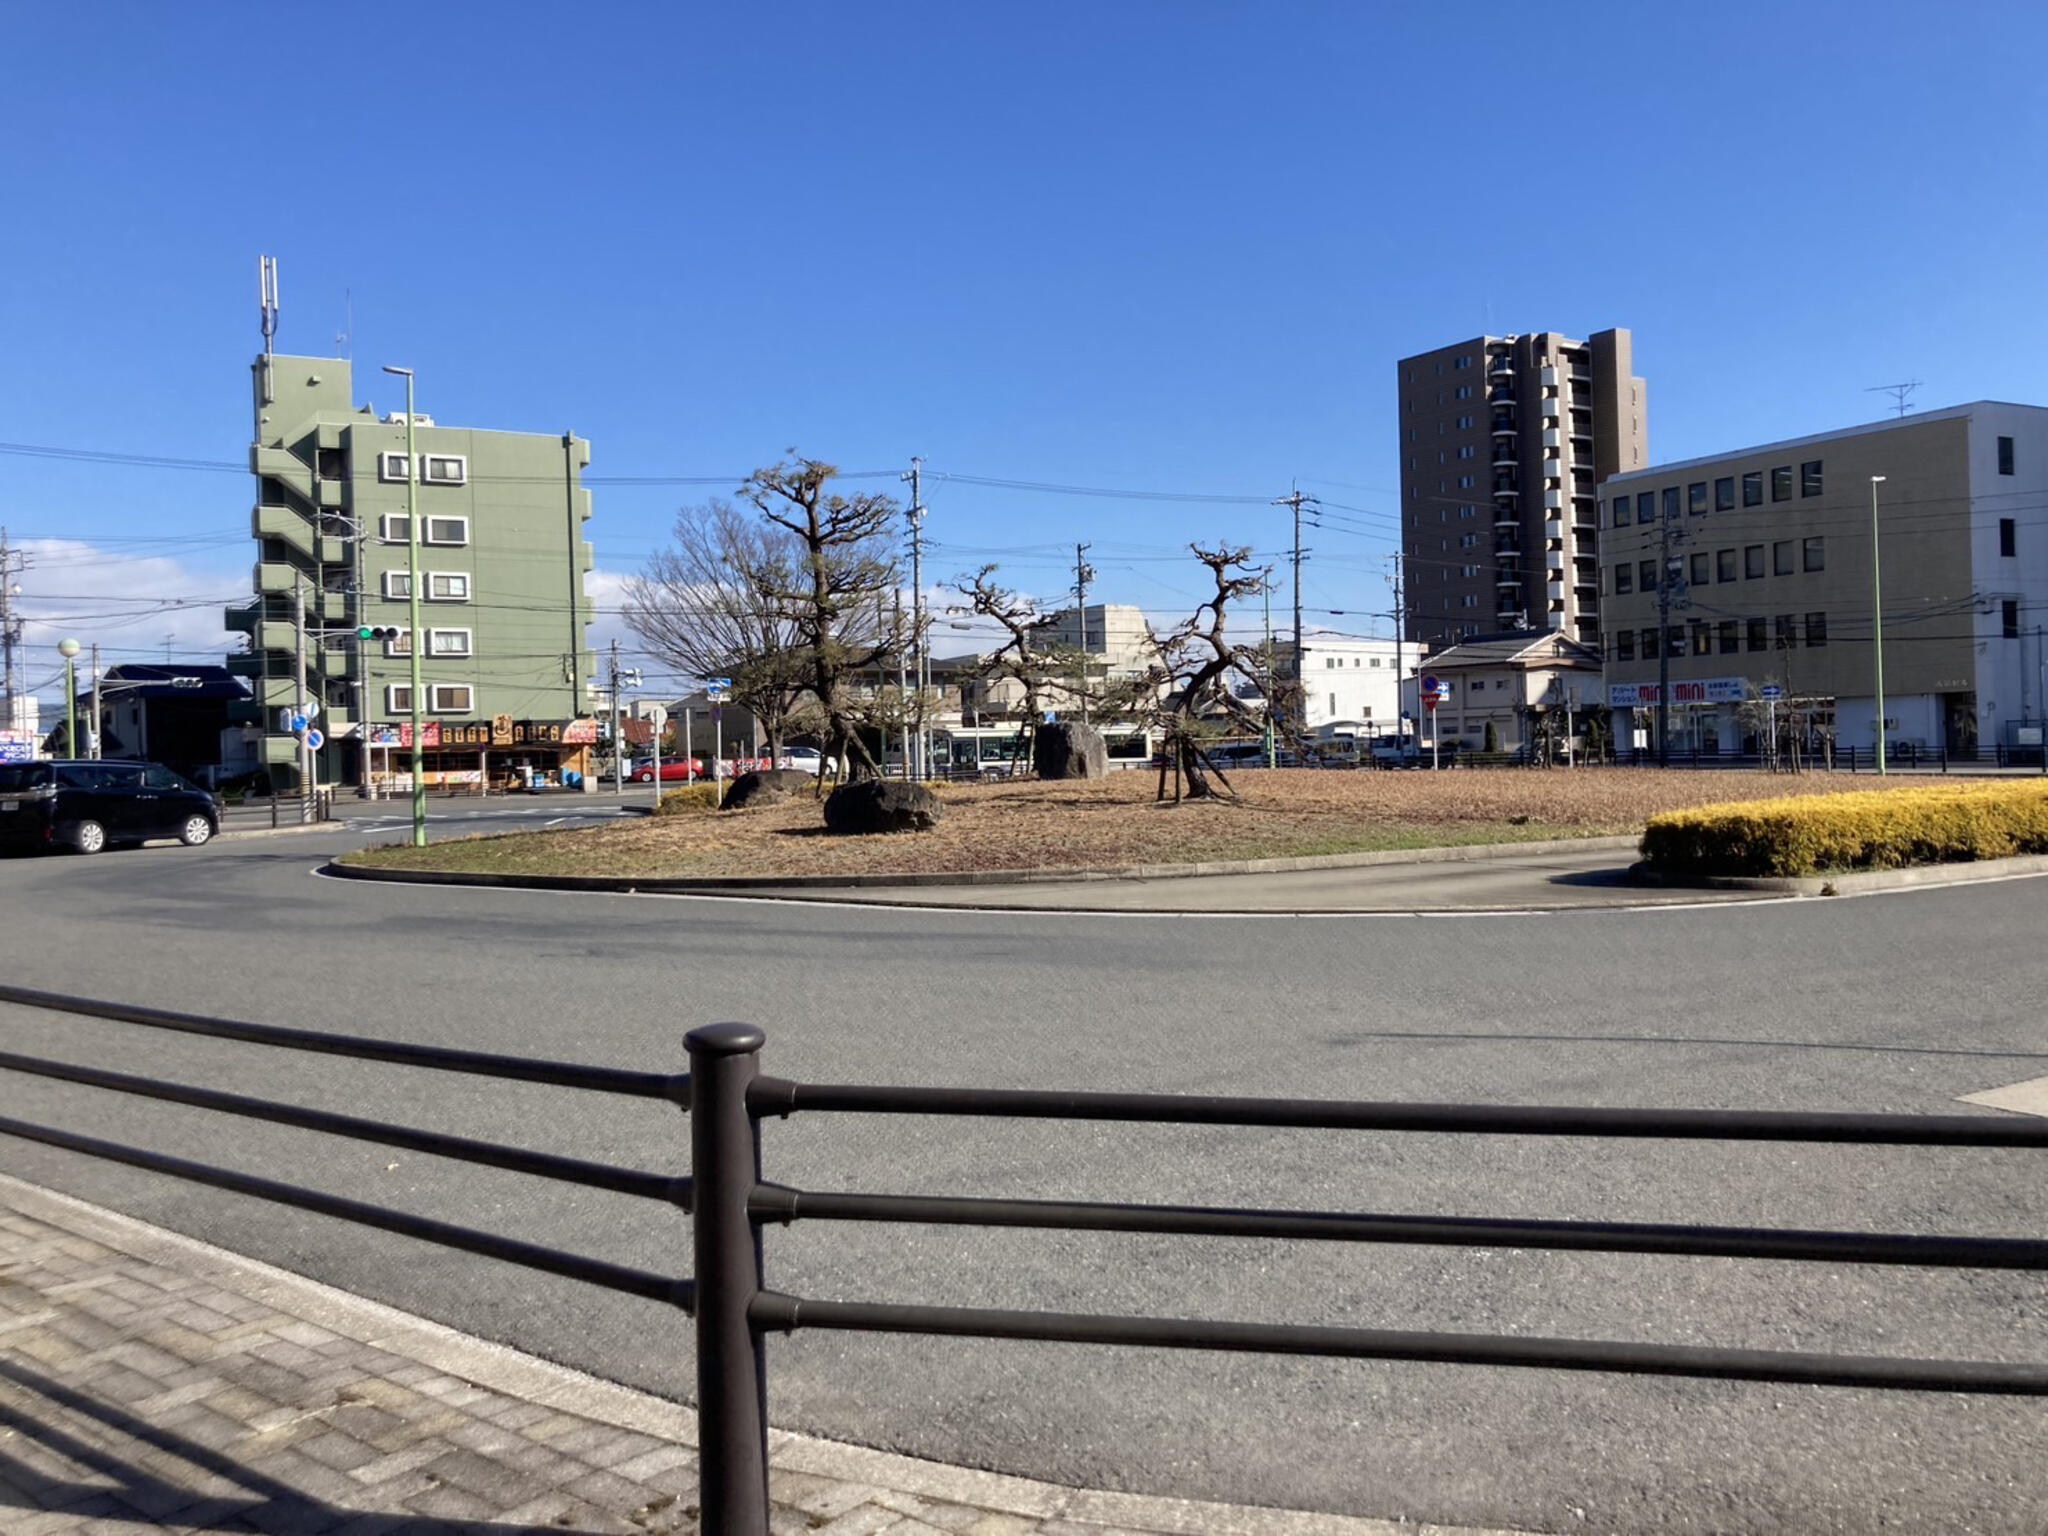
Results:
<point x="151" y="1382"/>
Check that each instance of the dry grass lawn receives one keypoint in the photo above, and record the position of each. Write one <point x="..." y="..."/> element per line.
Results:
<point x="1114" y="823"/>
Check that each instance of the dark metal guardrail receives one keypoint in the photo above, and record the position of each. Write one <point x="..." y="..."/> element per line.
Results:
<point x="731" y="1203"/>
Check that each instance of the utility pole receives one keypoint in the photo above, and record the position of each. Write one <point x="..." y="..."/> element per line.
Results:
<point x="924" y="675"/>
<point x="415" y="643"/>
<point x="1667" y="585"/>
<point x="98" y="714"/>
<point x="1272" y="747"/>
<point x="12" y="563"/>
<point x="1400" y="630"/>
<point x="1081" y="575"/>
<point x="618" y="744"/>
<point x="298" y="687"/>
<point x="1295" y="499"/>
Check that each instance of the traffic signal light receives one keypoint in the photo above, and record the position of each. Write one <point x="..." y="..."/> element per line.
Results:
<point x="630" y="677"/>
<point x="379" y="632"/>
<point x="188" y="682"/>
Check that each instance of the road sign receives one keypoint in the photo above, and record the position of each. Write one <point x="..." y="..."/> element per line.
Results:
<point x="1429" y="702"/>
<point x="314" y="740"/>
<point x="719" y="682"/>
<point x="298" y="721"/>
<point x="1431" y="683"/>
<point x="1770" y="691"/>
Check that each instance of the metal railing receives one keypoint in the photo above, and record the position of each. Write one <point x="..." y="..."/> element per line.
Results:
<point x="735" y="1309"/>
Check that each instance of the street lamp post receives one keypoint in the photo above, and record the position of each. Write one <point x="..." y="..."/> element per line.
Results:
<point x="68" y="649"/>
<point x="414" y="639"/>
<point x="1877" y="617"/>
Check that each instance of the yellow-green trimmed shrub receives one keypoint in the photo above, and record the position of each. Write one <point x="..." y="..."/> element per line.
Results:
<point x="1820" y="834"/>
<point x="690" y="800"/>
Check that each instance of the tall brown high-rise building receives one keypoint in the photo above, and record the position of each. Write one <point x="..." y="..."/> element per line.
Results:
<point x="1504" y="440"/>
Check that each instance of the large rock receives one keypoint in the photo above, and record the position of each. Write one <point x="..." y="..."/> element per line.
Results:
<point x="1070" y="750"/>
<point x="767" y="786"/>
<point x="880" y="805"/>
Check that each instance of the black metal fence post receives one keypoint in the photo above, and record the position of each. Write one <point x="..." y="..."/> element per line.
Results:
<point x="732" y="1382"/>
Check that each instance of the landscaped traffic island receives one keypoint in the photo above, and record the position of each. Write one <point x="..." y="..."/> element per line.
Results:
<point x="1895" y="828"/>
<point x="1113" y="823"/>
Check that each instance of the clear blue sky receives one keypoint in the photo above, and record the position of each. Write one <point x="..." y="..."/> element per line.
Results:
<point x="1134" y="245"/>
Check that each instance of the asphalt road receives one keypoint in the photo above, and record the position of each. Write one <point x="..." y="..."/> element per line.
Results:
<point x="1890" y="1003"/>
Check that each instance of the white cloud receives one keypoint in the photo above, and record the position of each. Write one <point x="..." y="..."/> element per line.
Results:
<point x="132" y="604"/>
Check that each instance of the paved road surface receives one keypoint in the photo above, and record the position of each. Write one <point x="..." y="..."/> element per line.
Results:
<point x="1897" y="1003"/>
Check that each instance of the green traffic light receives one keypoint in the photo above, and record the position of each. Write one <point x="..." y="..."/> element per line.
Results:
<point x="363" y="633"/>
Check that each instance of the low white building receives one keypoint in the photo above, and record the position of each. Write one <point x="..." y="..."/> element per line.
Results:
<point x="1350" y="685"/>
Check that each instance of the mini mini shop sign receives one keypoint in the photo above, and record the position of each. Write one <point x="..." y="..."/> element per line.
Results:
<point x="1711" y="690"/>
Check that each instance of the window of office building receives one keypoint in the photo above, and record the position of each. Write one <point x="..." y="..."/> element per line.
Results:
<point x="1696" y="497"/>
<point x="1813" y="554"/>
<point x="1649" y="645"/>
<point x="1646" y="575"/>
<point x="1816" y="629"/>
<point x="1625" y="645"/>
<point x="1781" y="558"/>
<point x="2005" y="456"/>
<point x="1809" y="478"/>
<point x="2009" y="613"/>
<point x="2008" y="537"/>
<point x="1758" y="634"/>
<point x="1464" y="422"/>
<point x="1464" y="392"/>
<point x="1724" y="494"/>
<point x="1788" y="632"/>
<point x="1646" y="506"/>
<point x="1724" y="565"/>
<point x="1468" y="452"/>
<point x="1702" y="638"/>
<point x="1621" y="511"/>
<point x="1671" y="501"/>
<point x="1674" y="641"/>
<point x="450" y="698"/>
<point x="1701" y="564"/>
<point x="1753" y="488"/>
<point x="1752" y="561"/>
<point x="1624" y="581"/>
<point x="1781" y="483"/>
<point x="1466" y="482"/>
<point x="1731" y="638"/>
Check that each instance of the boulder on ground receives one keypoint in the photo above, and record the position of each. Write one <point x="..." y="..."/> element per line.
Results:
<point x="1070" y="750"/>
<point x="880" y="805"/>
<point x="767" y="786"/>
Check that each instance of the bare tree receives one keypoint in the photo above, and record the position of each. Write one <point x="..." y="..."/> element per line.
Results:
<point x="833" y="595"/>
<point x="1198" y="674"/>
<point x="1023" y="658"/>
<point x="709" y="607"/>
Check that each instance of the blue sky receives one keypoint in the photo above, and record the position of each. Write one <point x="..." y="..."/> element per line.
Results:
<point x="1140" y="246"/>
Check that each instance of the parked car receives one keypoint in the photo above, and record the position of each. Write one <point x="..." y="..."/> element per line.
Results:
<point x="674" y="770"/>
<point x="91" y="805"/>
<point x="809" y="759"/>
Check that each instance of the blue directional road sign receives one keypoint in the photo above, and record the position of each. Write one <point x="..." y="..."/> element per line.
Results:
<point x="298" y="722"/>
<point x="1770" y="691"/>
<point x="315" y="740"/>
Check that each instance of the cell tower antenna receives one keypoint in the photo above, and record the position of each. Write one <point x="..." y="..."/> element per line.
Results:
<point x="348" y="321"/>
<point x="1900" y="393"/>
<point x="267" y="274"/>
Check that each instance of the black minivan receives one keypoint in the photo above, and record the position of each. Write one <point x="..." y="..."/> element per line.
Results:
<point x="87" y="805"/>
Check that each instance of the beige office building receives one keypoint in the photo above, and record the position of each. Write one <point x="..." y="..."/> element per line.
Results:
<point x="1504" y="443"/>
<point x="1767" y="553"/>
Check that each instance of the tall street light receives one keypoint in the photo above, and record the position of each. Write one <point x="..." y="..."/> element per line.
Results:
<point x="1877" y="617"/>
<point x="412" y="590"/>
<point x="68" y="649"/>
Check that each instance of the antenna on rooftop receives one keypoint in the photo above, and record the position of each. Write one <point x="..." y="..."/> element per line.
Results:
<point x="348" y="321"/>
<point x="267" y="276"/>
<point x="1899" y="392"/>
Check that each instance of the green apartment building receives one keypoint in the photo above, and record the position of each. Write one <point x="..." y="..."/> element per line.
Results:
<point x="502" y="561"/>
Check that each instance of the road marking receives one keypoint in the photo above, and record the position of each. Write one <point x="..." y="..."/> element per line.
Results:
<point x="2028" y="1098"/>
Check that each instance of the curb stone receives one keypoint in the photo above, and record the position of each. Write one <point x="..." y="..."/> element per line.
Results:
<point x="1461" y="853"/>
<point x="1855" y="882"/>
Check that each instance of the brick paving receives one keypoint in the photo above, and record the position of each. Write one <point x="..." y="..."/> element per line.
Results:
<point x="152" y="1383"/>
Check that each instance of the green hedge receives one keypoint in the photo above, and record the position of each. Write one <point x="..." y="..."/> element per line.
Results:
<point x="1821" y="834"/>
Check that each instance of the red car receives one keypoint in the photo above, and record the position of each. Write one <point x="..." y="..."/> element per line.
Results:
<point x="677" y="770"/>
